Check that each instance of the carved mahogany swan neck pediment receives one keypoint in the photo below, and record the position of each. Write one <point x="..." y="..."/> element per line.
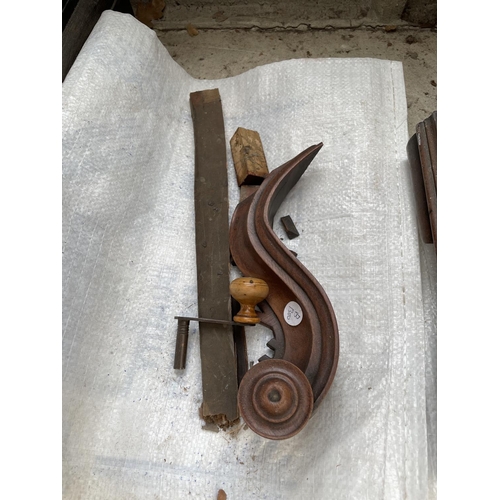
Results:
<point x="278" y="395"/>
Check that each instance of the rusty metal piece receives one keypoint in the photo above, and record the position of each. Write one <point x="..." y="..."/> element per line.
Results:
<point x="422" y="155"/>
<point x="297" y="308"/>
<point x="275" y="399"/>
<point x="290" y="229"/>
<point x="181" y="343"/>
<point x="209" y="320"/>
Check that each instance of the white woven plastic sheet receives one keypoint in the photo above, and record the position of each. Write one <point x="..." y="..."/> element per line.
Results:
<point x="131" y="428"/>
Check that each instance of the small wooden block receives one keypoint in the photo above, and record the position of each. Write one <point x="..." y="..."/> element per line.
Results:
<point x="247" y="191"/>
<point x="290" y="229"/>
<point x="248" y="157"/>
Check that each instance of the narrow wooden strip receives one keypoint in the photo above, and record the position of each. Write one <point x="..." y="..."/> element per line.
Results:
<point x="419" y="190"/>
<point x="218" y="361"/>
<point x="428" y="176"/>
<point x="431" y="134"/>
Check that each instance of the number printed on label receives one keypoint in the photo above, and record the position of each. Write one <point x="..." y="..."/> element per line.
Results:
<point x="293" y="313"/>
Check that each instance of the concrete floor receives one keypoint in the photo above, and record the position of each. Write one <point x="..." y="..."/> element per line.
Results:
<point x="220" y="53"/>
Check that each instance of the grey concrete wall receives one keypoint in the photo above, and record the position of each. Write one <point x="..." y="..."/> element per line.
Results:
<point x="421" y="12"/>
<point x="319" y="14"/>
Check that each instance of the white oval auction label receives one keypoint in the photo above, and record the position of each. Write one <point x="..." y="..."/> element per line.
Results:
<point x="293" y="313"/>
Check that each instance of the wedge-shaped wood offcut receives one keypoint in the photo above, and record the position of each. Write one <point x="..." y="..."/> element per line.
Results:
<point x="248" y="157"/>
<point x="290" y="229"/>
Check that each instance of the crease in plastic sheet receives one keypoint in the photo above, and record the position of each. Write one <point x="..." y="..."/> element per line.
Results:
<point x="130" y="422"/>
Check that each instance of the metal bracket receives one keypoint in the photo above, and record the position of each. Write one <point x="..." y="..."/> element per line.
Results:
<point x="183" y="335"/>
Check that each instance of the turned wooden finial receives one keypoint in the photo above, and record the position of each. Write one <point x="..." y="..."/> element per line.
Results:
<point x="248" y="292"/>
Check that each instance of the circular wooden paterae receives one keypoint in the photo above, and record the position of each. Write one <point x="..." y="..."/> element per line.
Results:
<point x="275" y="399"/>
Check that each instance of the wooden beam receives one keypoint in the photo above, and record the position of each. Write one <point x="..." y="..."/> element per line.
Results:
<point x="218" y="358"/>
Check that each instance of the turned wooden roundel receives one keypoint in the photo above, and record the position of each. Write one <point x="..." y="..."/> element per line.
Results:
<point x="275" y="399"/>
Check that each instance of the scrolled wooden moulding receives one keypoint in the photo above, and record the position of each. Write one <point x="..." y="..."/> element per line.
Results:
<point x="297" y="310"/>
